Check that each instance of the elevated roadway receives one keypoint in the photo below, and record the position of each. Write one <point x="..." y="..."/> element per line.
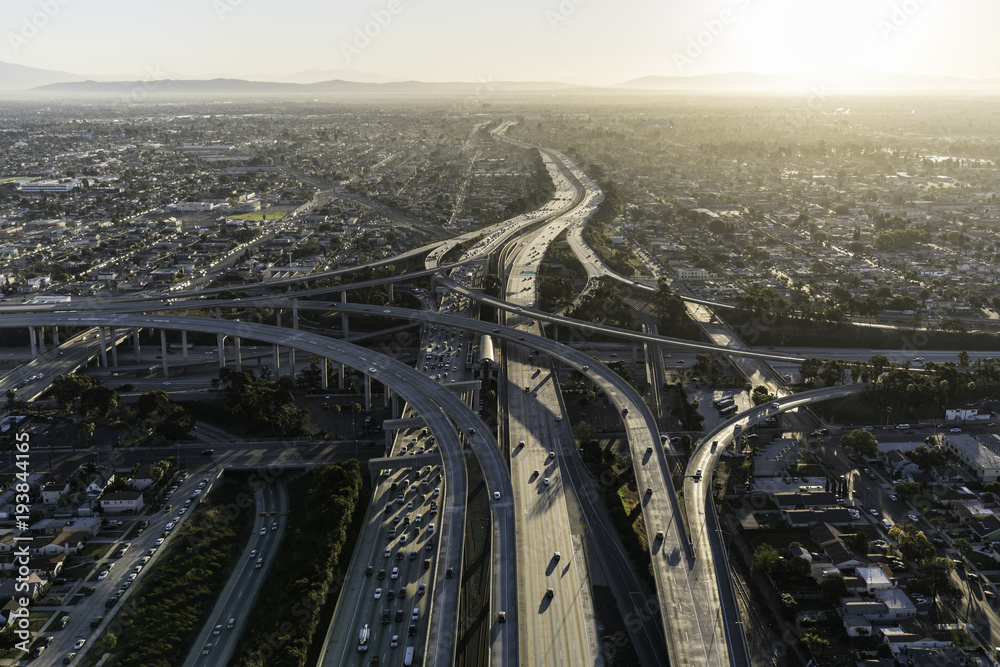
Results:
<point x="434" y="402"/>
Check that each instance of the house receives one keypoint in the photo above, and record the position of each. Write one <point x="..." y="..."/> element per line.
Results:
<point x="35" y="586"/>
<point x="142" y="479"/>
<point x="899" y="639"/>
<point x="898" y="604"/>
<point x="986" y="530"/>
<point x="122" y="502"/>
<point x="874" y="576"/>
<point x="99" y="481"/>
<point x="52" y="491"/>
<point x="898" y="465"/>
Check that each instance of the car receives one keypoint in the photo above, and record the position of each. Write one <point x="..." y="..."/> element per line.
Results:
<point x="394" y="642"/>
<point x="207" y="649"/>
<point x="79" y="644"/>
<point x="159" y="541"/>
<point x="892" y="498"/>
<point x="395" y="573"/>
<point x="207" y="452"/>
<point x="94" y="622"/>
<point x="387" y="553"/>
<point x="132" y="576"/>
<point x="496" y="495"/>
<point x="549" y="592"/>
<point x="390" y="595"/>
<point x="775" y="405"/>
<point x="421" y="589"/>
<point x="231" y="623"/>
<point x="378" y="593"/>
<point x="913" y="517"/>
<point x="253" y="554"/>
<point x="217" y="629"/>
<point x="954" y="430"/>
<point x="103" y="575"/>
<point x="873" y="511"/>
<point x="69" y="656"/>
<point x="260" y="562"/>
<point x="263" y="531"/>
<point x="370" y="570"/>
<point x="697" y="474"/>
<point x="558" y="418"/>
<point x="546" y="481"/>
<point x="450" y="573"/>
<point x="472" y="431"/>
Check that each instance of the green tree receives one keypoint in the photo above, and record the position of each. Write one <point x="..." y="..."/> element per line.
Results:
<point x="913" y="544"/>
<point x="789" y="605"/>
<point x="833" y="586"/>
<point x="906" y="490"/>
<point x="815" y="644"/>
<point x="765" y="558"/>
<point x="861" y="441"/>
<point x="962" y="546"/>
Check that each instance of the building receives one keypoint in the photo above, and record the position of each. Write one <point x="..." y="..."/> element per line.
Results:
<point x="982" y="459"/>
<point x="874" y="578"/>
<point x="967" y="415"/>
<point x="49" y="186"/>
<point x="690" y="273"/>
<point x="122" y="502"/>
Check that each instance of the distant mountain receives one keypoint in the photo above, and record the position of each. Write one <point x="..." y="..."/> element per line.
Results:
<point x="842" y="81"/>
<point x="319" y="75"/>
<point x="19" y="77"/>
<point x="241" y="87"/>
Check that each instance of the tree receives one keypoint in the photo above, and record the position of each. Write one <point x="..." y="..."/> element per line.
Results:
<point x="789" y="604"/>
<point x="913" y="544"/>
<point x="933" y="575"/>
<point x="927" y="457"/>
<point x="906" y="490"/>
<point x="962" y="546"/>
<point x="833" y="586"/>
<point x="861" y="441"/>
<point x="814" y="643"/>
<point x="765" y="558"/>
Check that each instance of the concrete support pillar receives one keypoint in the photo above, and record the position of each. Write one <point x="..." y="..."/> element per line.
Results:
<point x="41" y="340"/>
<point x="343" y="316"/>
<point x="340" y="378"/>
<point x="291" y="361"/>
<point x="220" y="342"/>
<point x="388" y="441"/>
<point x="114" y="345"/>
<point x="277" y="362"/>
<point x="184" y="344"/>
<point x="163" y="352"/>
<point x="368" y="393"/>
<point x="55" y="336"/>
<point x="135" y="344"/>
<point x="295" y="314"/>
<point x="635" y="353"/>
<point x="218" y="313"/>
<point x="386" y="396"/>
<point x="239" y="356"/>
<point x="104" y="347"/>
<point x="391" y="292"/>
<point x="395" y="407"/>
<point x="32" y="340"/>
<point x="325" y="378"/>
<point x="277" y="318"/>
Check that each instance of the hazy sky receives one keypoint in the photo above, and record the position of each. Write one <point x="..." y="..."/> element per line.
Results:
<point x="596" y="41"/>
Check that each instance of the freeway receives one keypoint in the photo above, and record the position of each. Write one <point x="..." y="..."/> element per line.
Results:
<point x="217" y="641"/>
<point x="557" y="624"/>
<point x="438" y="406"/>
<point x="701" y="518"/>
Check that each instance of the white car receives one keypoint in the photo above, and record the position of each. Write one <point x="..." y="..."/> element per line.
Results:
<point x="378" y="593"/>
<point x="102" y="576"/>
<point x="263" y="531"/>
<point x="79" y="643"/>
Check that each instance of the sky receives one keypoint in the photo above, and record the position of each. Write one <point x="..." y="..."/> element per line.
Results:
<point x="598" y="42"/>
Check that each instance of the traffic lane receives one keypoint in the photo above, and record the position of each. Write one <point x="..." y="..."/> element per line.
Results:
<point x="243" y="585"/>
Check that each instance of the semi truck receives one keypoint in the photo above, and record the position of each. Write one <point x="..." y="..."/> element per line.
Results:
<point x="363" y="638"/>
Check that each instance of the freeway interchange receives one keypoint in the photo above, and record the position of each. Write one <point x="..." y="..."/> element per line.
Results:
<point x="540" y="585"/>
